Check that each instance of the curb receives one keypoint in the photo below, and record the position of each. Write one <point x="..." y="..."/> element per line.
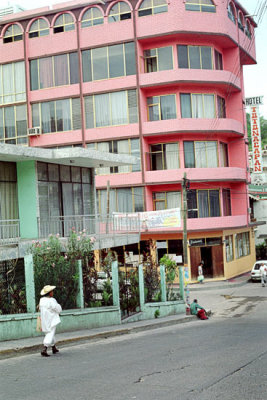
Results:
<point x="8" y="353"/>
<point x="226" y="285"/>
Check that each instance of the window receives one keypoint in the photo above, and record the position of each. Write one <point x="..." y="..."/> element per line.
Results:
<point x="92" y="17"/>
<point x="13" y="34"/>
<point x="64" y="190"/>
<point x="231" y="12"/>
<point x="161" y="107"/>
<point x="195" y="57"/>
<point x="229" y="248"/>
<point x="203" y="203"/>
<point x="127" y="146"/>
<point x="57" y="116"/>
<point x="164" y="156"/>
<point x="200" y="5"/>
<point x="108" y="62"/>
<point x="54" y="71"/>
<point x="128" y="199"/>
<point x="64" y="23"/>
<point x="241" y="22"/>
<point x="224" y="155"/>
<point x="8" y="196"/>
<point x="227" y="210"/>
<point x="248" y="29"/>
<point x="197" y="105"/>
<point x="152" y="7"/>
<point x="166" y="200"/>
<point x="221" y="107"/>
<point x="218" y="60"/>
<point x="119" y="12"/>
<point x="39" y="28"/>
<point x="108" y="109"/>
<point x="13" y="125"/>
<point x="158" y="59"/>
<point x="12" y="83"/>
<point x="200" y="154"/>
<point x="242" y="244"/>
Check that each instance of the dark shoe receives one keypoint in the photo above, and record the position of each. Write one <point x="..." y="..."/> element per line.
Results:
<point x="44" y="352"/>
<point x="55" y="350"/>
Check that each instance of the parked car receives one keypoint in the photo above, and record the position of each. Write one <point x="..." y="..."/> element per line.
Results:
<point x="255" y="272"/>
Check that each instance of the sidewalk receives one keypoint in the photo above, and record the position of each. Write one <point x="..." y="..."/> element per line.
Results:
<point x="229" y="283"/>
<point x="12" y="348"/>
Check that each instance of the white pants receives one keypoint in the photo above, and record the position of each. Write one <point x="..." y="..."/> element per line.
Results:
<point x="49" y="339"/>
<point x="263" y="279"/>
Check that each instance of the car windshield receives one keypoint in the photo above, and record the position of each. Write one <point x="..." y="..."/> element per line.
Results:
<point x="258" y="265"/>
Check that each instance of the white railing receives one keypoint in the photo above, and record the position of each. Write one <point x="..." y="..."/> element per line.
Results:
<point x="9" y="232"/>
<point x="91" y="225"/>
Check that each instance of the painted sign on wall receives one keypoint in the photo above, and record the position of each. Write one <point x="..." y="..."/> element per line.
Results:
<point x="253" y="103"/>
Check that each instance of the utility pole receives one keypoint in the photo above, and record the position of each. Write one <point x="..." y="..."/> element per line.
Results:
<point x="185" y="186"/>
<point x="108" y="206"/>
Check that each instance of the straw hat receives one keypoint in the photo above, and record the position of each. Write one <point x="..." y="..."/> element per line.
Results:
<point x="46" y="289"/>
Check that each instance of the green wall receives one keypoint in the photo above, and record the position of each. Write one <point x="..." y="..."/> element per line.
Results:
<point x="27" y="198"/>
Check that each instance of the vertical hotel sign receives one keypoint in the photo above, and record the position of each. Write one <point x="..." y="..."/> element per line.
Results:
<point x="254" y="103"/>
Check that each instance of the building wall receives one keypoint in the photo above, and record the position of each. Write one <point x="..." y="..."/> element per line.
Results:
<point x="175" y="27"/>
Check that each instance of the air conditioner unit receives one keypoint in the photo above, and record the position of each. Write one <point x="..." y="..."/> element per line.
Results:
<point x="34" y="131"/>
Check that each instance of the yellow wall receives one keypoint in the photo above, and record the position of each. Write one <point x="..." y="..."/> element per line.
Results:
<point x="240" y="265"/>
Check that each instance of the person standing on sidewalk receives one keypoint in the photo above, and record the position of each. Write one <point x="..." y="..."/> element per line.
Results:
<point x="263" y="273"/>
<point x="200" y="277"/>
<point x="50" y="310"/>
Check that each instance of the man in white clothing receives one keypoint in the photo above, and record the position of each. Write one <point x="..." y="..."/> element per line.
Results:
<point x="263" y="272"/>
<point x="50" y="310"/>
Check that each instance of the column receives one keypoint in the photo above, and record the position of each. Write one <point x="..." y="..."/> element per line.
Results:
<point x="115" y="283"/>
<point x="80" y="296"/>
<point x="29" y="283"/>
<point x="27" y="199"/>
<point x="163" y="283"/>
<point x="141" y="287"/>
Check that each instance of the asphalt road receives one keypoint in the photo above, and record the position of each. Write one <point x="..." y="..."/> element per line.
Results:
<point x="223" y="358"/>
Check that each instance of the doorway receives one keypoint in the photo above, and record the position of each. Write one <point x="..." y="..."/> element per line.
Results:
<point x="213" y="261"/>
<point x="206" y="257"/>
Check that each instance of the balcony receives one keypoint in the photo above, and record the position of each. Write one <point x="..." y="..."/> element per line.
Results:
<point x="9" y="232"/>
<point x="220" y="174"/>
<point x="106" y="231"/>
<point x="230" y="127"/>
<point x="183" y="77"/>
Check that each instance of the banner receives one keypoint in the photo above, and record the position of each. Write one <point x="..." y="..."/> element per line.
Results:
<point x="153" y="219"/>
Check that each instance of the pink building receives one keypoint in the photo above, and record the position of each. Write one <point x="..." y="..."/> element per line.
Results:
<point x="161" y="80"/>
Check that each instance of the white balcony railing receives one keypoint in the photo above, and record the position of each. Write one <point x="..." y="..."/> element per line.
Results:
<point x="9" y="232"/>
<point x="91" y="225"/>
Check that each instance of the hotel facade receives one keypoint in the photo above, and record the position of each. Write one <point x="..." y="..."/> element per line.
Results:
<point x="156" y="79"/>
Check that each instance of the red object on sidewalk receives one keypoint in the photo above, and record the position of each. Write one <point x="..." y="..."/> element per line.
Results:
<point x="187" y="310"/>
<point x="202" y="314"/>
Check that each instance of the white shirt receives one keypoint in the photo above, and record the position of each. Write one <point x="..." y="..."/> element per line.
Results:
<point x="263" y="270"/>
<point x="50" y="310"/>
<point x="200" y="270"/>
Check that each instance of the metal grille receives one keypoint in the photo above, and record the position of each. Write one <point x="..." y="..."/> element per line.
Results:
<point x="12" y="287"/>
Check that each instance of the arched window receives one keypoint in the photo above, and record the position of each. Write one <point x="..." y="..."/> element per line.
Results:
<point x="151" y="7"/>
<point x="231" y="12"/>
<point x="248" y="29"/>
<point x="39" y="28"/>
<point x="64" y="23"/>
<point x="200" y="5"/>
<point x="119" y="12"/>
<point x="13" y="34"/>
<point x="92" y="17"/>
<point x="241" y="21"/>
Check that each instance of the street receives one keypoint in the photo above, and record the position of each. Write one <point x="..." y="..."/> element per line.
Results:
<point x="224" y="358"/>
